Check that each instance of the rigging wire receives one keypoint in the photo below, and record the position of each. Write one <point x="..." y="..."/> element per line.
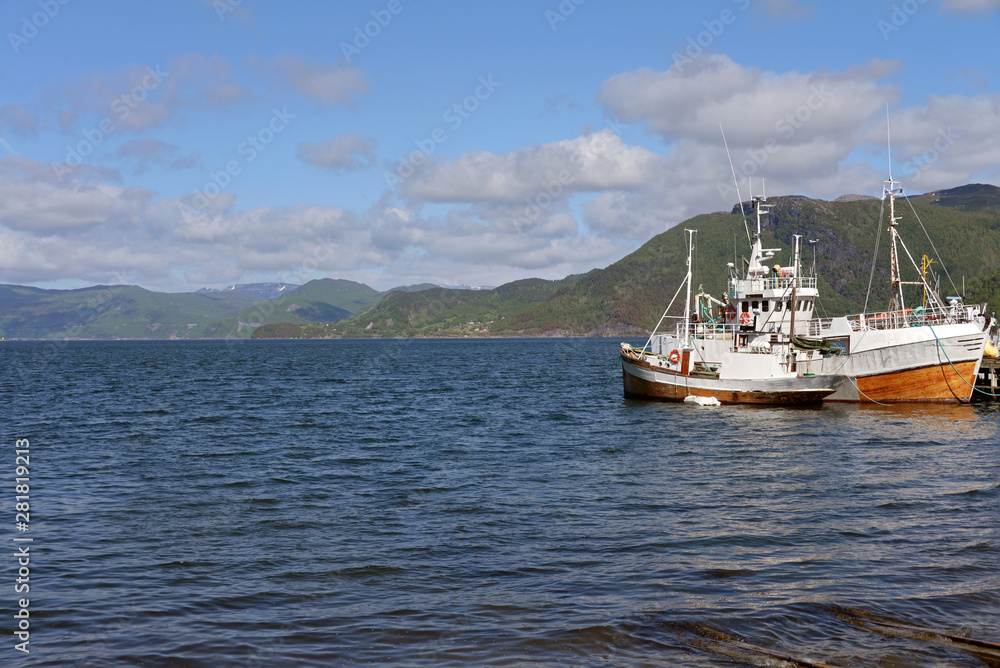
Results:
<point x="940" y="260"/>
<point x="743" y="212"/>
<point x="878" y="237"/>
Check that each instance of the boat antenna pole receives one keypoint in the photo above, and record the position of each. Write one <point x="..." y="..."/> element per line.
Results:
<point x="746" y="226"/>
<point x="795" y="284"/>
<point x="888" y="140"/>
<point x="889" y="189"/>
<point x="687" y="303"/>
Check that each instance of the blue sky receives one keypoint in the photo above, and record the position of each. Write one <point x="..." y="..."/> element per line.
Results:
<point x="189" y="143"/>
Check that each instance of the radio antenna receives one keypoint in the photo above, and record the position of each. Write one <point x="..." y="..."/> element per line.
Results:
<point x="737" y="183"/>
<point x="888" y="140"/>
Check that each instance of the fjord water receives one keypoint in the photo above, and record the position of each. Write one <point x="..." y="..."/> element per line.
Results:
<point x="479" y="502"/>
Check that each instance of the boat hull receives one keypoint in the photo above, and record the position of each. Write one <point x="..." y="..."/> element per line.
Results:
<point x="643" y="380"/>
<point x="940" y="383"/>
<point x="911" y="365"/>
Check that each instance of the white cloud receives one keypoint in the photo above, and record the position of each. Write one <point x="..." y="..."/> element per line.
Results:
<point x="791" y="8"/>
<point x="692" y="98"/>
<point x="19" y="120"/>
<point x="594" y="162"/>
<point x="84" y="229"/>
<point x="146" y="153"/>
<point x="331" y="84"/>
<point x="344" y="153"/>
<point x="145" y="96"/>
<point x="971" y="6"/>
<point x="32" y="198"/>
<point x="948" y="141"/>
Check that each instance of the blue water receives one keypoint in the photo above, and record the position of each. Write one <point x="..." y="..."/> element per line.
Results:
<point x="479" y="502"/>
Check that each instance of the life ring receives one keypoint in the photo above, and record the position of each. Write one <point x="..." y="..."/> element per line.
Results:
<point x="745" y="318"/>
<point x="730" y="312"/>
<point x="675" y="356"/>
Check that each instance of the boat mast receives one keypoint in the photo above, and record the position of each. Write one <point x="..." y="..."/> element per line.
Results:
<point x="687" y="303"/>
<point x="795" y="283"/>
<point x="889" y="189"/>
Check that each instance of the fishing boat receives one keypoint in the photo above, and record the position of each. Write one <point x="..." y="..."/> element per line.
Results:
<point x="916" y="350"/>
<point x="739" y="351"/>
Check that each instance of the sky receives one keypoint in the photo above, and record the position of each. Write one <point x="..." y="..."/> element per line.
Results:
<point x="185" y="144"/>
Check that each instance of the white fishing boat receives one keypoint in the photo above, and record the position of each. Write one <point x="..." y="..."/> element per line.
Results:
<point x="919" y="349"/>
<point x="738" y="351"/>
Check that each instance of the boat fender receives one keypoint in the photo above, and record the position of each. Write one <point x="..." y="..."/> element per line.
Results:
<point x="675" y="356"/>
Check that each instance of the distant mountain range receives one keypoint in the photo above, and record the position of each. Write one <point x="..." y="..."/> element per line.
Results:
<point x="625" y="298"/>
<point x="265" y="290"/>
<point x="131" y="312"/>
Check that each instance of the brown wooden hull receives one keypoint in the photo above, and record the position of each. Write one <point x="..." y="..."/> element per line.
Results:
<point x="667" y="386"/>
<point x="937" y="384"/>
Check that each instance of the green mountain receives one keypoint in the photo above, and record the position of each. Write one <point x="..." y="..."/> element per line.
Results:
<point x="325" y="300"/>
<point x="112" y="312"/>
<point x="130" y="312"/>
<point x="629" y="296"/>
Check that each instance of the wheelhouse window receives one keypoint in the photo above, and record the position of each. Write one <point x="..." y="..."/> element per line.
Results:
<point x="745" y="307"/>
<point x="765" y="306"/>
<point x="777" y="305"/>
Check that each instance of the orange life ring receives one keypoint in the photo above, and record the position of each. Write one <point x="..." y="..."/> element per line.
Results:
<point x="675" y="356"/>
<point x="745" y="318"/>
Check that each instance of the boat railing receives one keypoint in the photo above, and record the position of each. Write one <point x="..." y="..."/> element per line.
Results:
<point x="909" y="317"/>
<point x="739" y="286"/>
<point x="679" y="326"/>
<point x="818" y="326"/>
<point x="717" y="331"/>
<point x="703" y="329"/>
